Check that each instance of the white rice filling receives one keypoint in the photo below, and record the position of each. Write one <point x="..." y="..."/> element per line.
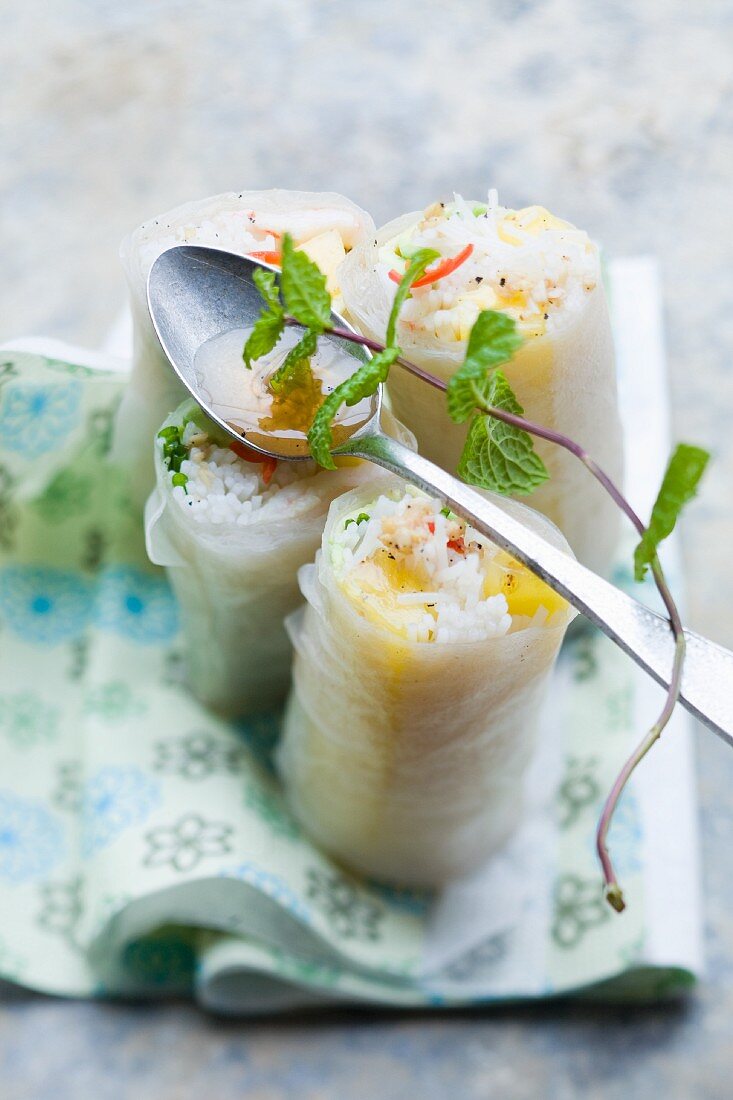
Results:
<point x="414" y="531"/>
<point x="230" y="229"/>
<point x="525" y="263"/>
<point x="223" y="488"/>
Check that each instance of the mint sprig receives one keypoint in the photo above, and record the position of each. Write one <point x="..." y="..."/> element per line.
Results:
<point x="419" y="261"/>
<point x="497" y="455"/>
<point x="679" y="486"/>
<point x="269" y="326"/>
<point x="307" y="301"/>
<point x="366" y="380"/>
<point x="363" y="383"/>
<point x="493" y="340"/>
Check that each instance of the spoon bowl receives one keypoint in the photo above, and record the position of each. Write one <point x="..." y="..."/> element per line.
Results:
<point x="196" y="293"/>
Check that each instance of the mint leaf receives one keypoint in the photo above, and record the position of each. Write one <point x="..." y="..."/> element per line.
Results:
<point x="289" y="370"/>
<point x="266" y="283"/>
<point x="268" y="327"/>
<point x="363" y="383"/>
<point x="679" y="485"/>
<point x="496" y="455"/>
<point x="304" y="288"/>
<point x="416" y="267"/>
<point x="265" y="334"/>
<point x="493" y="340"/>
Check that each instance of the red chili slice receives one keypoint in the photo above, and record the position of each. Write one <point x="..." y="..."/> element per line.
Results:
<point x="432" y="274"/>
<point x="267" y="257"/>
<point x="249" y="454"/>
<point x="269" y="465"/>
<point x="457" y="544"/>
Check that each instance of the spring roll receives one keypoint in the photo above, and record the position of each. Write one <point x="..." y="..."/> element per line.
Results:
<point x="422" y="662"/>
<point x="324" y="225"/>
<point x="545" y="274"/>
<point x="232" y="530"/>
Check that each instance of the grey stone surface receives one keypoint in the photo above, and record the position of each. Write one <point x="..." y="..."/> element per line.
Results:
<point x="616" y="115"/>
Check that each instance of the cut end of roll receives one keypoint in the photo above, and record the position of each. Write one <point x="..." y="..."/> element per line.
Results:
<point x="526" y="263"/>
<point x="412" y="566"/>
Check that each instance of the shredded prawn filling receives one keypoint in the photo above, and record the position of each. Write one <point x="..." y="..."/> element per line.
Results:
<point x="525" y="263"/>
<point x="429" y="576"/>
<point x="222" y="488"/>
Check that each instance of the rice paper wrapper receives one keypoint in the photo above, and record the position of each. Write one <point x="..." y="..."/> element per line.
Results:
<point x="565" y="381"/>
<point x="222" y="221"/>
<point x="406" y="760"/>
<point x="235" y="584"/>
<point x="146" y="849"/>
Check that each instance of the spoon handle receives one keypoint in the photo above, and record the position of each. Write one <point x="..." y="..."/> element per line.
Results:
<point x="707" y="682"/>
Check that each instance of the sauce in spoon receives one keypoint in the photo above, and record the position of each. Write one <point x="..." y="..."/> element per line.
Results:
<point x="278" y="422"/>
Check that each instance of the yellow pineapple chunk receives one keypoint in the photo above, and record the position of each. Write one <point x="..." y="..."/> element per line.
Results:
<point x="524" y="592"/>
<point x="327" y="250"/>
<point x="375" y="585"/>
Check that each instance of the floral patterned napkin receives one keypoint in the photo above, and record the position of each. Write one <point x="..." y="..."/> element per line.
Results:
<point x="144" y="845"/>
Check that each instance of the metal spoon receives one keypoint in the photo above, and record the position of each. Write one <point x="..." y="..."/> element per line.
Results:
<point x="196" y="293"/>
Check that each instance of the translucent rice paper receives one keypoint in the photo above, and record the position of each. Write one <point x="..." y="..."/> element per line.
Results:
<point x="565" y="380"/>
<point x="406" y="760"/>
<point x="236" y="584"/>
<point x="154" y="391"/>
